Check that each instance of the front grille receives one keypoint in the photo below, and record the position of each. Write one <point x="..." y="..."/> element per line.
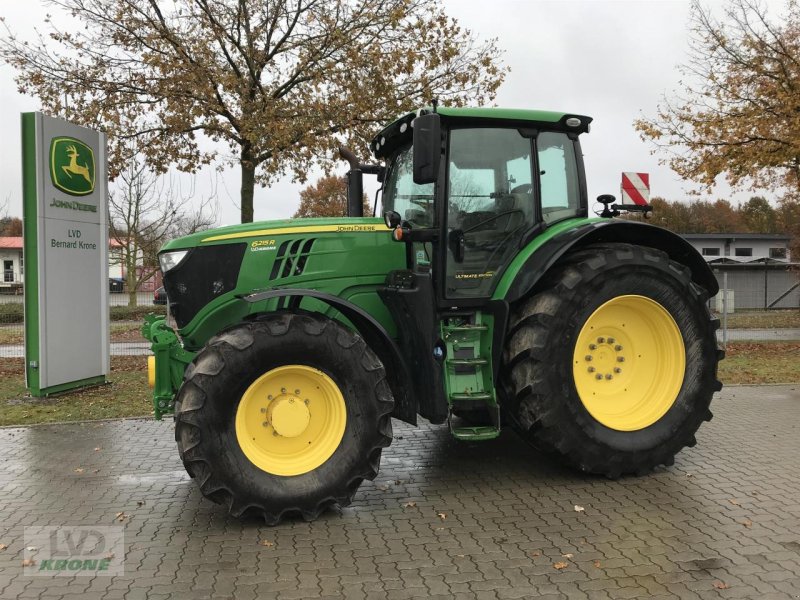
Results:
<point x="291" y="258"/>
<point x="206" y="273"/>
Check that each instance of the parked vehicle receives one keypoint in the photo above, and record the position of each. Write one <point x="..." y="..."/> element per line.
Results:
<point x="160" y="296"/>
<point x="486" y="292"/>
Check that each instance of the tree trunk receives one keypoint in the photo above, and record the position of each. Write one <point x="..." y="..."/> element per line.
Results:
<point x="248" y="185"/>
<point x="131" y="284"/>
<point x="130" y="276"/>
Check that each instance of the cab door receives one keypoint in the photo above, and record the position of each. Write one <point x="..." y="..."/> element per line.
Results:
<point x="503" y="185"/>
<point x="490" y="195"/>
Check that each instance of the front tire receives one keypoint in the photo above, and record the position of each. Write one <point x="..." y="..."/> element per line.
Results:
<point x="285" y="415"/>
<point x="611" y="364"/>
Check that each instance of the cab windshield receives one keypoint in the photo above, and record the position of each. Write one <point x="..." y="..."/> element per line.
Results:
<point x="413" y="202"/>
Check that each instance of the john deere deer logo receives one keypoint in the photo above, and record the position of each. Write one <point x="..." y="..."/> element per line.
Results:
<point x="72" y="166"/>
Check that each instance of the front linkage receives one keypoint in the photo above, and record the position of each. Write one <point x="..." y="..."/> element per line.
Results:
<point x="166" y="366"/>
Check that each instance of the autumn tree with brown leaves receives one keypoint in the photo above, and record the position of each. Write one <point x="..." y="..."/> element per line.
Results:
<point x="327" y="198"/>
<point x="739" y="111"/>
<point x="277" y="84"/>
<point x="788" y="217"/>
<point x="696" y="217"/>
<point x="10" y="226"/>
<point x="759" y="216"/>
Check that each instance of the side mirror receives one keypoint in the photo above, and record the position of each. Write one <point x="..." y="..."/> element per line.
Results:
<point x="392" y="219"/>
<point x="427" y="147"/>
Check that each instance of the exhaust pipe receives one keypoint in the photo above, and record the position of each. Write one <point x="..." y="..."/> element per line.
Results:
<point x="355" y="184"/>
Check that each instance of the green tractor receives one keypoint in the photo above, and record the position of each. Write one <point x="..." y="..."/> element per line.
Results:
<point x="485" y="298"/>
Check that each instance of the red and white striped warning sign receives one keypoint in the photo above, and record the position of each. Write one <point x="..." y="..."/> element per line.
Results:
<point x="636" y="188"/>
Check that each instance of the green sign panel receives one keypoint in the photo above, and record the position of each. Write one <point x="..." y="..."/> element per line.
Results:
<point x="72" y="167"/>
<point x="65" y="225"/>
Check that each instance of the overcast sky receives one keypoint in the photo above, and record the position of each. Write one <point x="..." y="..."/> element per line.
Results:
<point x="610" y="60"/>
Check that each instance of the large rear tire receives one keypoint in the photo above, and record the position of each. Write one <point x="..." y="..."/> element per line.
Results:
<point x="283" y="416"/>
<point x="611" y="363"/>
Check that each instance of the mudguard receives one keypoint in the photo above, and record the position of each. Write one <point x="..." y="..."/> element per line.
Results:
<point x="376" y="337"/>
<point x="547" y="254"/>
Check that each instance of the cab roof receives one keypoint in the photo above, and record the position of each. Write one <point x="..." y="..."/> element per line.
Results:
<point x="399" y="131"/>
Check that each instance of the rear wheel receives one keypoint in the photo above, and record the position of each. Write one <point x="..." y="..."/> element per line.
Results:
<point x="285" y="415"/>
<point x="612" y="363"/>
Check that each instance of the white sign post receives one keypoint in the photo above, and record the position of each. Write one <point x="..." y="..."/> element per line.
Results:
<point x="65" y="222"/>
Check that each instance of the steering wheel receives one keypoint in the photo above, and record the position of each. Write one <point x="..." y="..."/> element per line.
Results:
<point x="523" y="188"/>
<point x="493" y="218"/>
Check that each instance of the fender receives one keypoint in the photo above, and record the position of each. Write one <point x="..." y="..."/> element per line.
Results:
<point x="605" y="231"/>
<point x="376" y="337"/>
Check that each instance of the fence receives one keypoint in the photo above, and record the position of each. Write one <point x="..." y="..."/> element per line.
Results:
<point x="758" y="301"/>
<point x="126" y="323"/>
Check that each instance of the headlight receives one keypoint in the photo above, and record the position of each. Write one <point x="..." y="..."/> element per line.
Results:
<point x="170" y="260"/>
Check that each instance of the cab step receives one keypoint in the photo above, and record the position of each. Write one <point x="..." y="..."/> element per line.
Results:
<point x="467" y="327"/>
<point x="468" y="375"/>
<point x="475" y="397"/>
<point x="467" y="362"/>
<point x="475" y="434"/>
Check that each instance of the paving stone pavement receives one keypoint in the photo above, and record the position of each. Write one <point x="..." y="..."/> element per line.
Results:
<point x="443" y="520"/>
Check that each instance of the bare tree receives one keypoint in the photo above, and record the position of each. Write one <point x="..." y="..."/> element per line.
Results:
<point x="144" y="212"/>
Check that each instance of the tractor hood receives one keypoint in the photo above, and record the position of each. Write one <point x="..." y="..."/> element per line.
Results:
<point x="274" y="228"/>
<point x="209" y="274"/>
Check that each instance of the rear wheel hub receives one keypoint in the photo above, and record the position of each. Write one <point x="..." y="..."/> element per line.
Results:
<point x="629" y="362"/>
<point x="288" y="415"/>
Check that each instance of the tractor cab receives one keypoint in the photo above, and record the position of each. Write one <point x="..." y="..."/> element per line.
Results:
<point x="466" y="190"/>
<point x="505" y="176"/>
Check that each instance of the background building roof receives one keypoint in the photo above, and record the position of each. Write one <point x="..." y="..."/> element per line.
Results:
<point x="11" y="242"/>
<point x="737" y="236"/>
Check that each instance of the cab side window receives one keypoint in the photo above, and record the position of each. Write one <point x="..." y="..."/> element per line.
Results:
<point x="558" y="176"/>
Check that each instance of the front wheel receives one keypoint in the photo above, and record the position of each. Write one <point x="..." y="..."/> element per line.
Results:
<point x="612" y="363"/>
<point x="284" y="415"/>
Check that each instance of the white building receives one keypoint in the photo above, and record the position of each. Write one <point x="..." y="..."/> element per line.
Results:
<point x="756" y="269"/>
<point x="13" y="264"/>
<point x="740" y="247"/>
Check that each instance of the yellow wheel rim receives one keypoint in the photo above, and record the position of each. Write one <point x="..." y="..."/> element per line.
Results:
<point x="629" y="363"/>
<point x="291" y="420"/>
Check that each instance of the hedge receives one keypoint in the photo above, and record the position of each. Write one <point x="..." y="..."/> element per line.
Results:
<point x="13" y="312"/>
